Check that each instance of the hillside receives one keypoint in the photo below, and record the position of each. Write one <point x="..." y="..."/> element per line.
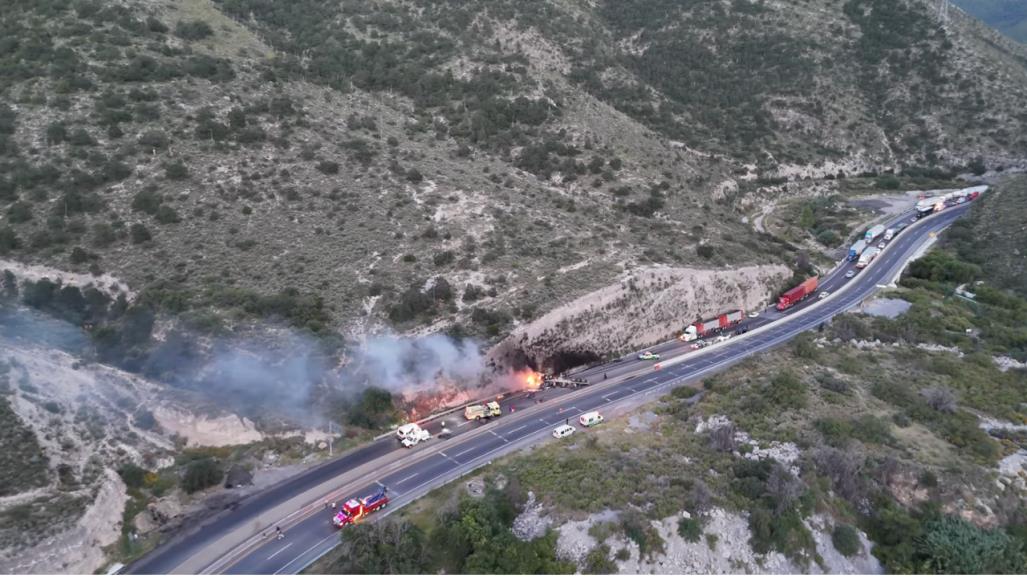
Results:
<point x="1007" y="16"/>
<point x="327" y="163"/>
<point x="995" y="235"/>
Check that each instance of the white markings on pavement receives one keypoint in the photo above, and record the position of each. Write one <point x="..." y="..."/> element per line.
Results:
<point x="495" y="434"/>
<point x="465" y="423"/>
<point x="467" y="450"/>
<point x="517" y="429"/>
<point x="275" y="554"/>
<point x="312" y="547"/>
<point x="405" y="479"/>
<point x="450" y="458"/>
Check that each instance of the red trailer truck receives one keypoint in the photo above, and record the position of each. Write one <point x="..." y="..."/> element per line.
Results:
<point x="713" y="326"/>
<point x="791" y="297"/>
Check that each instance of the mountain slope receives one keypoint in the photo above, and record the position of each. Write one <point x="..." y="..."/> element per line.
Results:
<point x="340" y="159"/>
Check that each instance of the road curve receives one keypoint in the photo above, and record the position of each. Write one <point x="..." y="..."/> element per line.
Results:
<point x="408" y="475"/>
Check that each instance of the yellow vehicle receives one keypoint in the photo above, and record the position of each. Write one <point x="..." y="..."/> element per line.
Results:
<point x="475" y="412"/>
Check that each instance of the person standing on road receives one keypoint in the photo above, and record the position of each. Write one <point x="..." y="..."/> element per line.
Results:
<point x="281" y="535"/>
<point x="567" y="421"/>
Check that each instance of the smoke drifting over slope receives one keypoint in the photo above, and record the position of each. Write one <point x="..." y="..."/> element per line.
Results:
<point x="411" y="365"/>
<point x="273" y="371"/>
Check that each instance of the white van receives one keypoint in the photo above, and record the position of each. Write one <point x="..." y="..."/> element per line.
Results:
<point x="563" y="431"/>
<point x="590" y="419"/>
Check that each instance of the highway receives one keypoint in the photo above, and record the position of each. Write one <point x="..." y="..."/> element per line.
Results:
<point x="241" y="540"/>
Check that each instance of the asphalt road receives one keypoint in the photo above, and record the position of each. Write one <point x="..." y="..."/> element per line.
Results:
<point x="308" y="534"/>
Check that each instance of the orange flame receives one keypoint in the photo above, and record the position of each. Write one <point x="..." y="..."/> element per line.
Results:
<point x="532" y="380"/>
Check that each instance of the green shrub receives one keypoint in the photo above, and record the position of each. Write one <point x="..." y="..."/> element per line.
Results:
<point x="193" y="30"/>
<point x="598" y="562"/>
<point x="139" y="233"/>
<point x="690" y="529"/>
<point x="846" y="540"/>
<point x="787" y="391"/>
<point x="201" y="474"/>
<point x="133" y="475"/>
<point x="166" y="215"/>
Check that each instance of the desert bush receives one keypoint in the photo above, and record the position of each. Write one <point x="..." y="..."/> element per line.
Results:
<point x="193" y="30"/>
<point x="690" y="529"/>
<point x="201" y="474"/>
<point x="846" y="540"/>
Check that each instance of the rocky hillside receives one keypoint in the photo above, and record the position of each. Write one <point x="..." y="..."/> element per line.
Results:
<point x="995" y="235"/>
<point x="331" y="161"/>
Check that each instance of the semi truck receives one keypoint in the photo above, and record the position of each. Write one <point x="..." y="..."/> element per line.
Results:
<point x="712" y="326"/>
<point x="873" y="233"/>
<point x="793" y="296"/>
<point x="868" y="256"/>
<point x="354" y="510"/>
<point x="857" y="249"/>
<point x="475" y="412"/>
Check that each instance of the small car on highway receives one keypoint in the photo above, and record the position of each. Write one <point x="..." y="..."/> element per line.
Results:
<point x="823" y="295"/>
<point x="881" y="245"/>
<point x="648" y="356"/>
<point x="699" y="344"/>
<point x="850" y="274"/>
<point x="563" y="431"/>
<point x="754" y="314"/>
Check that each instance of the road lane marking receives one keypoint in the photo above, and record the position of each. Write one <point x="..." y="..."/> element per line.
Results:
<point x="464" y="424"/>
<point x="275" y="554"/>
<point x="495" y="434"/>
<point x="312" y="547"/>
<point x="450" y="458"/>
<point x="405" y="479"/>
<point x="517" y="429"/>
<point x="468" y="450"/>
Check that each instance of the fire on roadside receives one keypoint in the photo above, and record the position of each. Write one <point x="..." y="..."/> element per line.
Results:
<point x="532" y="379"/>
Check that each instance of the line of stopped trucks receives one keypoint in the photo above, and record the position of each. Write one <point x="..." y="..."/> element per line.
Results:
<point x="722" y="327"/>
<point x="700" y="334"/>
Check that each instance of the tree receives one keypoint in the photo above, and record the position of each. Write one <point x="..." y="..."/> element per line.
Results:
<point x="807" y="219"/>
<point x="201" y="474"/>
<point x="386" y="548"/>
<point x="373" y="409"/>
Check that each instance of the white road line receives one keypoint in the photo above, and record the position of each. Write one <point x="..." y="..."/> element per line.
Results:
<point x="517" y="429"/>
<point x="464" y="424"/>
<point x="312" y="547"/>
<point x="450" y="458"/>
<point x="497" y="435"/>
<point x="468" y="450"/>
<point x="405" y="479"/>
<point x="275" y="554"/>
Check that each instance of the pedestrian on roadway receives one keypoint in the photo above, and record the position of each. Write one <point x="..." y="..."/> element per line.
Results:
<point x="605" y="377"/>
<point x="326" y="503"/>
<point x="333" y="505"/>
<point x="281" y="535"/>
<point x="567" y="421"/>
